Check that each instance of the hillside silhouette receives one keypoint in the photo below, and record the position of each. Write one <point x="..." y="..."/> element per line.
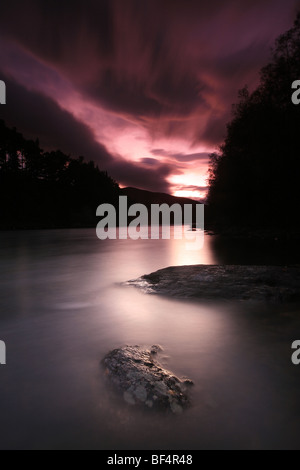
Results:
<point x="254" y="178"/>
<point x="41" y="190"/>
<point x="147" y="198"/>
<point x="48" y="189"/>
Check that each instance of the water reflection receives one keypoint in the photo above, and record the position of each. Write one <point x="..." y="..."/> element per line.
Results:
<point x="62" y="310"/>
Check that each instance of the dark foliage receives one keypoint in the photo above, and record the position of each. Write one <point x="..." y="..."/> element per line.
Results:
<point x="254" y="179"/>
<point x="48" y="189"/>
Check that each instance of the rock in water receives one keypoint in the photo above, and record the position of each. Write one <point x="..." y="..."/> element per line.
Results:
<point x="275" y="284"/>
<point x="144" y="381"/>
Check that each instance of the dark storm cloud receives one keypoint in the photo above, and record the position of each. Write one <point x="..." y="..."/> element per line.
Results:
<point x="192" y="157"/>
<point x="39" y="116"/>
<point x="133" y="55"/>
<point x="192" y="188"/>
<point x="154" y="60"/>
<point x="214" y="131"/>
<point x="141" y="176"/>
<point x="181" y="157"/>
<point x="170" y="66"/>
<point x="149" y="161"/>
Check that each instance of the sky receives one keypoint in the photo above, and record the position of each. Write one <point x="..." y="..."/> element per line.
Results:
<point x="143" y="87"/>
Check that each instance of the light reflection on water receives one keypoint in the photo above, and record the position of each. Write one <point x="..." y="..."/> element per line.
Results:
<point x="62" y="310"/>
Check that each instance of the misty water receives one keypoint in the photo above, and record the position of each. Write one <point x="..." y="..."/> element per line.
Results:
<point x="63" y="308"/>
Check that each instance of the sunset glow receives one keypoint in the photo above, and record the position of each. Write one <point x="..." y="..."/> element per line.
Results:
<point x="150" y="263"/>
<point x="143" y="105"/>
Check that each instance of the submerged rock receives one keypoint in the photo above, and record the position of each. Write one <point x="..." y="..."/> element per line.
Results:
<point x="144" y="381"/>
<point x="263" y="283"/>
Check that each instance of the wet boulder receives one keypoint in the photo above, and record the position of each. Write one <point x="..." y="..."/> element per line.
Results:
<point x="143" y="381"/>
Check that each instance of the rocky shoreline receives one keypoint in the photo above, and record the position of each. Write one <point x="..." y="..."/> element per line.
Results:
<point x="274" y="284"/>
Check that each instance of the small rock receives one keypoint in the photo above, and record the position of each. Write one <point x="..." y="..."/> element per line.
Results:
<point x="129" y="398"/>
<point x="162" y="387"/>
<point x="176" y="409"/>
<point x="144" y="381"/>
<point x="156" y="348"/>
<point x="141" y="393"/>
<point x="188" y="382"/>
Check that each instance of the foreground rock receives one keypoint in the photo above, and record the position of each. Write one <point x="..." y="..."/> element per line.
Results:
<point x="263" y="283"/>
<point x="144" y="381"/>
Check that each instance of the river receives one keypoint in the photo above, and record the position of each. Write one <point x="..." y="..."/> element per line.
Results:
<point x="63" y="308"/>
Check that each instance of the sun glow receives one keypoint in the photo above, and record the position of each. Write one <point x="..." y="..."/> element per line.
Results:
<point x="189" y="194"/>
<point x="191" y="185"/>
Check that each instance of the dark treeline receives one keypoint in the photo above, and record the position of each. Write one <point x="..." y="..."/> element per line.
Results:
<point x="48" y="189"/>
<point x="254" y="179"/>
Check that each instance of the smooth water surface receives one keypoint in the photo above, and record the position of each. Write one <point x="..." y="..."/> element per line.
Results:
<point x="63" y="308"/>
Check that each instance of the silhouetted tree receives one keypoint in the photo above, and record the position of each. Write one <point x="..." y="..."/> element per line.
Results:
<point x="48" y="189"/>
<point x="254" y="179"/>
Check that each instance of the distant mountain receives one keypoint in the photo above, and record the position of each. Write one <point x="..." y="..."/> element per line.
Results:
<point x="147" y="198"/>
